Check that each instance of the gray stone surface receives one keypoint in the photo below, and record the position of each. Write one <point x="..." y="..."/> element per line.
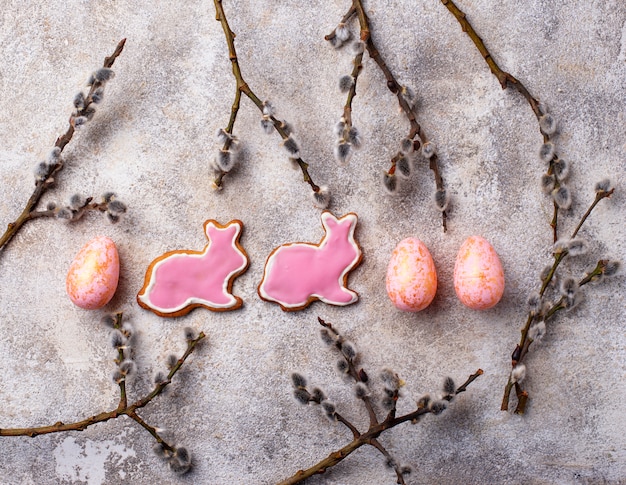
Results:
<point x="152" y="141"/>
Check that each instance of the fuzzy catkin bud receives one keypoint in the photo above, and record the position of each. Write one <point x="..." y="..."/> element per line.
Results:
<point x="572" y="301"/>
<point x="518" y="373"/>
<point x="41" y="171"/>
<point x="104" y="74"/>
<point x="342" y="32"/>
<point x="117" y="339"/>
<point x="577" y="247"/>
<point x="98" y="95"/>
<point x="225" y="160"/>
<point x="190" y="333"/>
<point x="354" y="137"/>
<point x="569" y="287"/>
<point x="318" y="395"/>
<point x="77" y="201"/>
<point x="183" y="455"/>
<point x="441" y="199"/>
<point x="424" y="401"/>
<point x="428" y="149"/>
<point x="321" y="198"/>
<point x="603" y="186"/>
<point x="534" y="302"/>
<point x="348" y="350"/>
<point x="268" y="109"/>
<point x="79" y="101"/>
<point x="222" y="136"/>
<point x="343" y="367"/>
<point x="537" y="331"/>
<point x="116" y="207"/>
<point x="361" y="391"/>
<point x="66" y="214"/>
<point x="546" y="152"/>
<point x="328" y="407"/>
<point x="448" y="386"/>
<point x="390" y="183"/>
<point x="343" y="152"/>
<point x="291" y="146"/>
<point x="547" y="124"/>
<point x="54" y="156"/>
<point x="127" y="367"/>
<point x="562" y="197"/>
<point x="403" y="167"/>
<point x="302" y="395"/>
<point x="327" y="337"/>
<point x="438" y="407"/>
<point x="358" y="47"/>
<point x="611" y="268"/>
<point x="339" y="128"/>
<point x="390" y="379"/>
<point x="171" y="361"/>
<point x="267" y="125"/>
<point x="406" y="146"/>
<point x="561" y="169"/>
<point x="108" y="320"/>
<point x="547" y="183"/>
<point x="345" y="83"/>
<point x="298" y="380"/>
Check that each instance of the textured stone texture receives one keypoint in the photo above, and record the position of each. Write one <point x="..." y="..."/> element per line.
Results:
<point x="152" y="141"/>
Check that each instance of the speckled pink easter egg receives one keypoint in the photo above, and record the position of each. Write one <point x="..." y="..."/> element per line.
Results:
<point x="92" y="278"/>
<point x="478" y="275"/>
<point x="411" y="276"/>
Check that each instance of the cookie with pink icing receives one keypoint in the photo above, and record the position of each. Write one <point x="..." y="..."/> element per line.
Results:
<point x="179" y="281"/>
<point x="297" y="274"/>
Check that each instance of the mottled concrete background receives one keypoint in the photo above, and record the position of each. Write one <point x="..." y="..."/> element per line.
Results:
<point x="152" y="141"/>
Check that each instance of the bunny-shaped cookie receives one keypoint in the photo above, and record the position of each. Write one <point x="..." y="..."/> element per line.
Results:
<point x="298" y="274"/>
<point x="179" y="281"/>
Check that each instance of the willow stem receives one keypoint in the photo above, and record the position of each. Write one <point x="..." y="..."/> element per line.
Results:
<point x="41" y="186"/>
<point x="242" y="87"/>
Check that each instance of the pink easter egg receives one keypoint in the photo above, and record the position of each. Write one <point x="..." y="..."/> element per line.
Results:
<point x="411" y="276"/>
<point x="478" y="275"/>
<point x="93" y="275"/>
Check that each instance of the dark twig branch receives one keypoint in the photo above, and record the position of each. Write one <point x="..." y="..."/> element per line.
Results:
<point x="416" y="133"/>
<point x="243" y="88"/>
<point x="46" y="179"/>
<point x="123" y="408"/>
<point x="349" y="366"/>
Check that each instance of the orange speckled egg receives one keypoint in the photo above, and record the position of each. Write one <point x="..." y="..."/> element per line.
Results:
<point x="478" y="275"/>
<point x="92" y="278"/>
<point x="411" y="276"/>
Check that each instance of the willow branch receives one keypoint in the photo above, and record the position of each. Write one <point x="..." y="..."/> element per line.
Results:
<point x="41" y="186"/>
<point x="121" y="410"/>
<point x="393" y="85"/>
<point x="368" y="438"/>
<point x="242" y="87"/>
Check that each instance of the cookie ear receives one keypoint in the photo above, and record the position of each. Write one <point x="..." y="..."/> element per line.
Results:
<point x="329" y="221"/>
<point x="209" y="227"/>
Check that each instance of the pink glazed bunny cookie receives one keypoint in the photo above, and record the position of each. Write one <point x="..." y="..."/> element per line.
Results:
<point x="179" y="281"/>
<point x="298" y="274"/>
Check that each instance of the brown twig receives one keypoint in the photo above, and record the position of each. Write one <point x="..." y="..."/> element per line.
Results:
<point x="48" y="180"/>
<point x="507" y="80"/>
<point x="525" y="342"/>
<point x="416" y="133"/>
<point x="123" y="408"/>
<point x="376" y="426"/>
<point x="242" y="87"/>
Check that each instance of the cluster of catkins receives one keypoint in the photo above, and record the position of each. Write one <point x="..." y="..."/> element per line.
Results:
<point x="178" y="458"/>
<point x="553" y="181"/>
<point x="110" y="206"/>
<point x="83" y="113"/>
<point x="347" y="135"/>
<point x="228" y="155"/>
